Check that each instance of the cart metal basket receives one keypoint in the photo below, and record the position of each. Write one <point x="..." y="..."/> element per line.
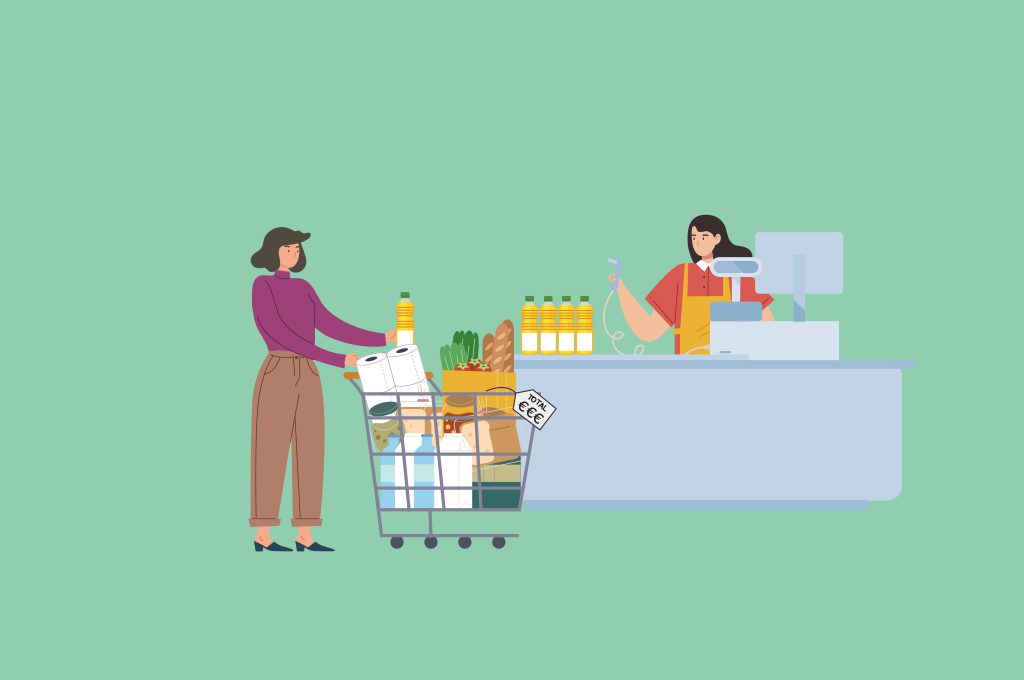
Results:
<point x="414" y="480"/>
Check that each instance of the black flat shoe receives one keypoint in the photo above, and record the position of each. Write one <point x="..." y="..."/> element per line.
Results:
<point x="315" y="547"/>
<point x="273" y="547"/>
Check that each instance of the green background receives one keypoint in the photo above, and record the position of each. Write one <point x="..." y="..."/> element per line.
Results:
<point x="474" y="152"/>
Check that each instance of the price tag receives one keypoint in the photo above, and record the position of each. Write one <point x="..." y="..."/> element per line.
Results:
<point x="534" y="408"/>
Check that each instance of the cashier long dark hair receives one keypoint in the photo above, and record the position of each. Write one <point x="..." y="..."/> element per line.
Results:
<point x="716" y="227"/>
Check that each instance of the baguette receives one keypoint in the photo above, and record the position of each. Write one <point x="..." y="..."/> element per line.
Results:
<point x="488" y="349"/>
<point x="504" y="347"/>
<point x="497" y="356"/>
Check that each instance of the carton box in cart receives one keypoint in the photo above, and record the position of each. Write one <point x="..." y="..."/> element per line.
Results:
<point x="457" y="472"/>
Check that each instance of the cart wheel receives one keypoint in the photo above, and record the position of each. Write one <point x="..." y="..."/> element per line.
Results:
<point x="465" y="542"/>
<point x="430" y="542"/>
<point x="498" y="542"/>
<point x="397" y="542"/>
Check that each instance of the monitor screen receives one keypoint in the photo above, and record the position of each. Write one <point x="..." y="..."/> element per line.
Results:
<point x="822" y="253"/>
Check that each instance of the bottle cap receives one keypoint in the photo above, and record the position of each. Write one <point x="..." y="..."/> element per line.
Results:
<point x="549" y="298"/>
<point x="584" y="298"/>
<point x="405" y="294"/>
<point x="566" y="298"/>
<point x="529" y="298"/>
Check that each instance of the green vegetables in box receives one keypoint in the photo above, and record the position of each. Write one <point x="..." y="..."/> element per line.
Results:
<point x="463" y="350"/>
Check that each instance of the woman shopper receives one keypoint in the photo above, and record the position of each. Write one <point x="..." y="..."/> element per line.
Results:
<point x="288" y="402"/>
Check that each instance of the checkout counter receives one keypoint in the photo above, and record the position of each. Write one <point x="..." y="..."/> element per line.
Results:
<point x="668" y="432"/>
<point x="772" y="418"/>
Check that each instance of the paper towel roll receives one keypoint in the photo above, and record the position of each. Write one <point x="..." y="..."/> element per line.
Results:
<point x="406" y="366"/>
<point x="375" y="376"/>
<point x="409" y="375"/>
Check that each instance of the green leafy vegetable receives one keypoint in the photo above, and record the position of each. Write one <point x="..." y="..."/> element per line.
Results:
<point x="447" y="363"/>
<point x="465" y="347"/>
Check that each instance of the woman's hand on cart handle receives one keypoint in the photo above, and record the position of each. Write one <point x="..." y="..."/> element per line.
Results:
<point x="391" y="335"/>
<point x="351" y="359"/>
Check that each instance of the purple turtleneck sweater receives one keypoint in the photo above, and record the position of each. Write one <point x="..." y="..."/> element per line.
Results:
<point x="288" y="313"/>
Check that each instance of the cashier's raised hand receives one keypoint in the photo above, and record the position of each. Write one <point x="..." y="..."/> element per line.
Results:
<point x="391" y="335"/>
<point x="611" y="277"/>
<point x="351" y="359"/>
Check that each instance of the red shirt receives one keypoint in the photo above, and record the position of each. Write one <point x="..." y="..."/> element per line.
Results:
<point x="666" y="296"/>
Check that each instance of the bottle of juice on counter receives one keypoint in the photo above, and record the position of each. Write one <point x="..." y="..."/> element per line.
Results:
<point x="404" y="326"/>
<point x="528" y="339"/>
<point x="584" y="326"/>
<point x="548" y="326"/>
<point x="566" y="326"/>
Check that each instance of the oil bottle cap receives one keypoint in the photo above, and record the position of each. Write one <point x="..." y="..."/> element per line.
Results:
<point x="405" y="294"/>
<point x="549" y="298"/>
<point x="584" y="298"/>
<point x="529" y="298"/>
<point x="566" y="298"/>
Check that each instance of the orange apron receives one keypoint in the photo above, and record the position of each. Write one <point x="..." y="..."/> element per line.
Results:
<point x="693" y="335"/>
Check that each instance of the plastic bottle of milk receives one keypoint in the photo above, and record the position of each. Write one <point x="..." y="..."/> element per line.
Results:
<point x="566" y="326"/>
<point x="404" y="326"/>
<point x="528" y="339"/>
<point x="548" y="326"/>
<point x="584" y="326"/>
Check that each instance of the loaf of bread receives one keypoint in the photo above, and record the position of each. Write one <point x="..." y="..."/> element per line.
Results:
<point x="488" y="354"/>
<point x="504" y="347"/>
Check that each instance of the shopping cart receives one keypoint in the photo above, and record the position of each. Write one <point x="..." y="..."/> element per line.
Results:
<point x="405" y="492"/>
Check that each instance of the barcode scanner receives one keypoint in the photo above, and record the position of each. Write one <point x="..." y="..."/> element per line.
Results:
<point x="618" y="272"/>
<point x="617" y="335"/>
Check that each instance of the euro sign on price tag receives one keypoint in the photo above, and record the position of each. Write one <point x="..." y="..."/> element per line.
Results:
<point x="534" y="408"/>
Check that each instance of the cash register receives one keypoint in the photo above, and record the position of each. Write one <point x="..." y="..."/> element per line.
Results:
<point x="794" y="263"/>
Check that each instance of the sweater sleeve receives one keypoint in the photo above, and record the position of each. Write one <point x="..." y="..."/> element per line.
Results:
<point x="333" y="327"/>
<point x="264" y="307"/>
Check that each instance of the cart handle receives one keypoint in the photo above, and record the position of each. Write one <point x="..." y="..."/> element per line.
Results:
<point x="349" y="375"/>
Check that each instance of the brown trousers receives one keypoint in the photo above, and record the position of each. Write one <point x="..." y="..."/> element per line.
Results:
<point x="287" y="407"/>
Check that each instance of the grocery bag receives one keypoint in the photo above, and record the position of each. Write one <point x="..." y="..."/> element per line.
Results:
<point x="458" y="410"/>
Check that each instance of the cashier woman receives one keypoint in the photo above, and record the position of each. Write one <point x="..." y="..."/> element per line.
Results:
<point x="682" y="299"/>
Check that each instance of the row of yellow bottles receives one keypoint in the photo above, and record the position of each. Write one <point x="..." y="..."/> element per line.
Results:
<point x="562" y="330"/>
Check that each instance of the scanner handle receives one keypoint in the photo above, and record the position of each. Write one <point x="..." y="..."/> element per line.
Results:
<point x="618" y="272"/>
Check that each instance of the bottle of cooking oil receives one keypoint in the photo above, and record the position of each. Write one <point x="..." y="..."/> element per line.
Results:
<point x="584" y="326"/>
<point x="566" y="326"/>
<point x="528" y="339"/>
<point x="404" y="325"/>
<point x="548" y="326"/>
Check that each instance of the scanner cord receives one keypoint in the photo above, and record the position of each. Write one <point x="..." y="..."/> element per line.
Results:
<point x="617" y="335"/>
